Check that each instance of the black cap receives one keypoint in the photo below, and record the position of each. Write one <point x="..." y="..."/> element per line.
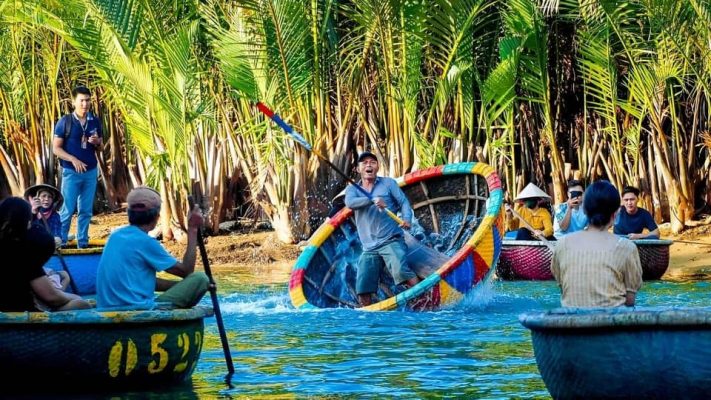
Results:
<point x="365" y="155"/>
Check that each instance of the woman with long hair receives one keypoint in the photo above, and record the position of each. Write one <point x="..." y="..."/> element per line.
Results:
<point x="594" y="267"/>
<point x="25" y="249"/>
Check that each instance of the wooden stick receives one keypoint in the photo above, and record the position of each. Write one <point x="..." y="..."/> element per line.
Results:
<point x="215" y="302"/>
<point x="530" y="228"/>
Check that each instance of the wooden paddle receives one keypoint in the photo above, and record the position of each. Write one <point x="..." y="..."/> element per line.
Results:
<point x="530" y="228"/>
<point x="300" y="140"/>
<point x="213" y="297"/>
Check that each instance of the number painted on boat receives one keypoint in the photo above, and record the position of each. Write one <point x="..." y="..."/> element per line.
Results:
<point x="116" y="354"/>
<point x="124" y="354"/>
<point x="156" y="366"/>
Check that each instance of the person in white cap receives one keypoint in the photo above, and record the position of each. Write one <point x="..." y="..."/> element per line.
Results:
<point x="534" y="216"/>
<point x="126" y="278"/>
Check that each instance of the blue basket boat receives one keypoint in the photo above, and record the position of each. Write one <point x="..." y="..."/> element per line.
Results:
<point x="105" y="350"/>
<point x="623" y="353"/>
<point x="81" y="264"/>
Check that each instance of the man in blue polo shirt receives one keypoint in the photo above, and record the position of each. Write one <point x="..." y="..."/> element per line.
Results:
<point x="77" y="137"/>
<point x="631" y="220"/>
<point x="382" y="238"/>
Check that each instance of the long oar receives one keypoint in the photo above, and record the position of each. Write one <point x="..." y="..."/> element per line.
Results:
<point x="62" y="261"/>
<point x="530" y="228"/>
<point x="215" y="302"/>
<point x="300" y="140"/>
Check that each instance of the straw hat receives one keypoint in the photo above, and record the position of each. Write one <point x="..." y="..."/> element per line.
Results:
<point x="531" y="191"/>
<point x="32" y="192"/>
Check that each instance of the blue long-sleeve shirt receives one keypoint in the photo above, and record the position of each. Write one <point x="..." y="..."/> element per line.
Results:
<point x="375" y="227"/>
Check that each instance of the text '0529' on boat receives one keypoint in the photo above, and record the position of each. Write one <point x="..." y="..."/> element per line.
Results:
<point x="454" y="242"/>
<point x="89" y="349"/>
<point x="531" y="259"/>
<point x="623" y="353"/>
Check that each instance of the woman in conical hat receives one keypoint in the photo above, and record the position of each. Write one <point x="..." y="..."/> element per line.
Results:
<point x="45" y="201"/>
<point x="539" y="223"/>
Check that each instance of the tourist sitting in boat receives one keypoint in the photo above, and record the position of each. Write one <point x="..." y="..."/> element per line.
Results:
<point x="126" y="277"/>
<point x="595" y="268"/>
<point x="632" y="220"/>
<point x="382" y="239"/>
<point x="26" y="248"/>
<point x="530" y="220"/>
<point x="45" y="201"/>
<point x="570" y="217"/>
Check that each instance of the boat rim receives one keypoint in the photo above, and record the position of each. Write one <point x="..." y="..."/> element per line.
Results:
<point x="92" y="316"/>
<point x="617" y="317"/>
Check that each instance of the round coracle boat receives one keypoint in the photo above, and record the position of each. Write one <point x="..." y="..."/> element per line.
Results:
<point x="91" y="349"/>
<point x="531" y="259"/>
<point x="623" y="353"/>
<point x="80" y="264"/>
<point x="457" y="208"/>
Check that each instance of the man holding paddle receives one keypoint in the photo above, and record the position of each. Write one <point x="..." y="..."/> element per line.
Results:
<point x="382" y="238"/>
<point x="126" y="279"/>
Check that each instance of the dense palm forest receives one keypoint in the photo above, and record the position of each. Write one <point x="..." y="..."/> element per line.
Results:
<point x="544" y="90"/>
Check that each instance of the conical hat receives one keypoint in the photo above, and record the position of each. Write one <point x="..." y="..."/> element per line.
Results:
<point x="531" y="191"/>
<point x="32" y="192"/>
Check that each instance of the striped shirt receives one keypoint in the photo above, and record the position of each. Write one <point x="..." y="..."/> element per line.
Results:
<point x="596" y="269"/>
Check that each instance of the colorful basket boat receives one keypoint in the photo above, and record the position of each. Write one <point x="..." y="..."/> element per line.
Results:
<point x="90" y="349"/>
<point x="81" y="264"/>
<point x="458" y="207"/>
<point x="623" y="353"/>
<point x="531" y="260"/>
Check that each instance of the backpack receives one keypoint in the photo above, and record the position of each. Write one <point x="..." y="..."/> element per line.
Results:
<point x="67" y="125"/>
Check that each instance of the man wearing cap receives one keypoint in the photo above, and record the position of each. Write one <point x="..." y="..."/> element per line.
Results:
<point x="126" y="278"/>
<point x="537" y="222"/>
<point x="77" y="138"/>
<point x="381" y="237"/>
<point x="570" y="216"/>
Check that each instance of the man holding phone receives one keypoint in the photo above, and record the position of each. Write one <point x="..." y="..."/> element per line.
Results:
<point x="570" y="216"/>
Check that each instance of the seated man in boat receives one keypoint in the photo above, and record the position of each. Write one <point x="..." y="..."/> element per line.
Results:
<point x="126" y="278"/>
<point x="570" y="217"/>
<point x="382" y="238"/>
<point x="632" y="220"/>
<point x="532" y="221"/>
<point x="595" y="268"/>
<point x="26" y="248"/>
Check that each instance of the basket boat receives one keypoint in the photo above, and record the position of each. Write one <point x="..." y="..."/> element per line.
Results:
<point x="458" y="207"/>
<point x="81" y="264"/>
<point x="91" y="349"/>
<point x="623" y="353"/>
<point x="531" y="260"/>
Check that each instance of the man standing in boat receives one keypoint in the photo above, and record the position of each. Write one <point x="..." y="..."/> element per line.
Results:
<point x="632" y="220"/>
<point x="126" y="278"/>
<point x="382" y="238"/>
<point x="570" y="217"/>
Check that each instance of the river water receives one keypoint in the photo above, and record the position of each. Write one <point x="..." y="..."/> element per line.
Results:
<point x="476" y="350"/>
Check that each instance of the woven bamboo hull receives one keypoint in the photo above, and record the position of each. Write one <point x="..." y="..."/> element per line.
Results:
<point x="531" y="260"/>
<point x="525" y="260"/>
<point x="90" y="349"/>
<point x="660" y="353"/>
<point x="458" y="204"/>
<point x="82" y="265"/>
